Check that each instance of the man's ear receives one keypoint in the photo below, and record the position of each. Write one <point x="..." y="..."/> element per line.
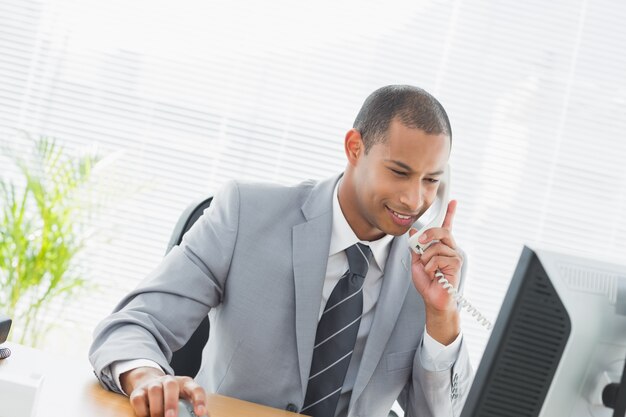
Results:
<point x="353" y="146"/>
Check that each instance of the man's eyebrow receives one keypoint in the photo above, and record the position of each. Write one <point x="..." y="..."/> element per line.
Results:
<point x="408" y="168"/>
<point x="400" y="164"/>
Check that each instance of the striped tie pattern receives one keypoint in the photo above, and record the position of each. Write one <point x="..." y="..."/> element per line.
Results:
<point x="336" y="334"/>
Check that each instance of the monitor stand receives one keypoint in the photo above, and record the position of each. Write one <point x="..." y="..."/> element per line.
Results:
<point x="614" y="396"/>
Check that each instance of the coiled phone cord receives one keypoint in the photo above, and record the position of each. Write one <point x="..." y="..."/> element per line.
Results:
<point x="462" y="301"/>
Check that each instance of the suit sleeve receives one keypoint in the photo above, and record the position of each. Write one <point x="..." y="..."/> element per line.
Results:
<point x="438" y="393"/>
<point x="161" y="314"/>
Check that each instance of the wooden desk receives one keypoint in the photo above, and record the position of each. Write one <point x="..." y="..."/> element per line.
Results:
<point x="70" y="389"/>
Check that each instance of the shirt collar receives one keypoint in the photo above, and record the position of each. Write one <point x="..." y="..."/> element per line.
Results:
<point x="342" y="235"/>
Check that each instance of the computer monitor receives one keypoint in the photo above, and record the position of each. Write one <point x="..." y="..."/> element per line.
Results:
<point x="559" y="339"/>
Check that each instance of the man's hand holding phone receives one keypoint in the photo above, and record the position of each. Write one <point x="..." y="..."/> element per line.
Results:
<point x="154" y="394"/>
<point x="442" y="316"/>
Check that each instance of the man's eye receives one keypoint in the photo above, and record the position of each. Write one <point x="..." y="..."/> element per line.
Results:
<point x="398" y="173"/>
<point x="432" y="180"/>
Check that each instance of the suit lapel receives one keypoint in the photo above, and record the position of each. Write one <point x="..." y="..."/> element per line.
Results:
<point x="396" y="281"/>
<point x="311" y="243"/>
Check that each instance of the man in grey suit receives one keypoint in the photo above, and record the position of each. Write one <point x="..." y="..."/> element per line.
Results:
<point x="317" y="305"/>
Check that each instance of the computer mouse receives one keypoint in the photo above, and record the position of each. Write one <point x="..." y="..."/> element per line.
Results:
<point x="185" y="409"/>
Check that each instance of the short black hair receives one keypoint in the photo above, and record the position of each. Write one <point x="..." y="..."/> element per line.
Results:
<point x="415" y="108"/>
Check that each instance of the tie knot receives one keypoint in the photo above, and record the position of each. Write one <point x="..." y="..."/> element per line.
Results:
<point x="359" y="256"/>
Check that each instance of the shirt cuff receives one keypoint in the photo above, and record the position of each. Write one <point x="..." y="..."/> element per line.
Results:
<point x="437" y="357"/>
<point x="119" y="367"/>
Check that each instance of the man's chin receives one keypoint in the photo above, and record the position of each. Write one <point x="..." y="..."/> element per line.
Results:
<point x="387" y="227"/>
<point x="396" y="230"/>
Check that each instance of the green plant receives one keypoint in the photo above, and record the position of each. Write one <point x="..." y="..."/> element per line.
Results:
<point x="46" y="209"/>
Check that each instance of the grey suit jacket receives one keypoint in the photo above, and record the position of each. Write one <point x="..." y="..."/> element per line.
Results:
<point x="256" y="262"/>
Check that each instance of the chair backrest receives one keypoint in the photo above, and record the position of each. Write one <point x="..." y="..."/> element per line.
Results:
<point x="186" y="361"/>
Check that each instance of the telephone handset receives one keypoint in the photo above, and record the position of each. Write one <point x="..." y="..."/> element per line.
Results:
<point x="433" y="217"/>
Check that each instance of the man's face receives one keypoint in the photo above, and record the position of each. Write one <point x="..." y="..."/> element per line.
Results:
<point x="397" y="180"/>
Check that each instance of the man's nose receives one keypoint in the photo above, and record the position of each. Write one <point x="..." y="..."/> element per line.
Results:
<point x="411" y="198"/>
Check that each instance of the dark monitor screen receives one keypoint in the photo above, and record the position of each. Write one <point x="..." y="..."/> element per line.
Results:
<point x="559" y="339"/>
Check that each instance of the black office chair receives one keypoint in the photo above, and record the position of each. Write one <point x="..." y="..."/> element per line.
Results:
<point x="186" y="360"/>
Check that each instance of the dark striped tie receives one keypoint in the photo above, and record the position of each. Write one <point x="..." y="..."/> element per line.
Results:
<point x="336" y="335"/>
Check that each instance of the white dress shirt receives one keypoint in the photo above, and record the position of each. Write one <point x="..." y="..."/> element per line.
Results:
<point x="433" y="355"/>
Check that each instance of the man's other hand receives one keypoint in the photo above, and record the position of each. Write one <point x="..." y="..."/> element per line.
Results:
<point x="442" y="315"/>
<point x="154" y="394"/>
